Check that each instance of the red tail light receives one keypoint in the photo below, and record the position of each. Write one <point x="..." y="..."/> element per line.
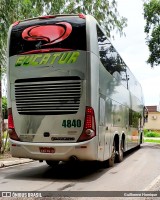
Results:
<point x="89" y="129"/>
<point x="10" y="119"/>
<point x="81" y="15"/>
<point x="16" y="23"/>
<point x="12" y="134"/>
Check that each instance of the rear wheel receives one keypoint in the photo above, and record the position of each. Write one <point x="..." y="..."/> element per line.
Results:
<point x="111" y="160"/>
<point x="52" y="163"/>
<point x="141" y="138"/>
<point x="119" y="155"/>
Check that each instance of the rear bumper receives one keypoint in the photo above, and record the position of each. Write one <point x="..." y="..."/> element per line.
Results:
<point x="63" y="151"/>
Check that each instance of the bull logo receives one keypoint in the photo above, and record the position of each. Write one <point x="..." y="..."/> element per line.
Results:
<point x="51" y="34"/>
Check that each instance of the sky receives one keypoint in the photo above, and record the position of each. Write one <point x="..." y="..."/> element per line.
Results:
<point x="134" y="51"/>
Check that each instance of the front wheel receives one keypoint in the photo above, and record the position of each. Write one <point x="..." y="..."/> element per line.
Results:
<point x="52" y="163"/>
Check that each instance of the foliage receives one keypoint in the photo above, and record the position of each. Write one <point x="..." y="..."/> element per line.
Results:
<point x="6" y="144"/>
<point x="145" y="131"/>
<point x="152" y="29"/>
<point x="105" y="11"/>
<point x="4" y="107"/>
<point x="151" y="133"/>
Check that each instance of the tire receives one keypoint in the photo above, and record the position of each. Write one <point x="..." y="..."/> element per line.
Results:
<point x="141" y="139"/>
<point x="119" y="155"/>
<point x="52" y="163"/>
<point x="111" y="160"/>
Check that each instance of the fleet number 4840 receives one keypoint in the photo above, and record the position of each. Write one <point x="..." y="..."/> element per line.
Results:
<point x="71" y="123"/>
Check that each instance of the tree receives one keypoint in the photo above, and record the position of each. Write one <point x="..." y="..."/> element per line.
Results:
<point x="105" y="11"/>
<point x="4" y="107"/>
<point x="152" y="29"/>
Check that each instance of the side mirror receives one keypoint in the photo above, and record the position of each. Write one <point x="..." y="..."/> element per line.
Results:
<point x="145" y="114"/>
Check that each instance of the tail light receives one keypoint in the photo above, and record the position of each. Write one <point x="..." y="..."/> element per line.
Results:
<point x="11" y="130"/>
<point x="89" y="128"/>
<point x="81" y="15"/>
<point x="16" y="23"/>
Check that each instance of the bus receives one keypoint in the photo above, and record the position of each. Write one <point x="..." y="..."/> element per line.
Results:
<point x="70" y="94"/>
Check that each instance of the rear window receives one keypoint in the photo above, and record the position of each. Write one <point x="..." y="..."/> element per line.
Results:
<point x="43" y="35"/>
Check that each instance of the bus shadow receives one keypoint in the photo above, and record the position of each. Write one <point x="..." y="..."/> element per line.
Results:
<point x="83" y="171"/>
<point x="64" y="171"/>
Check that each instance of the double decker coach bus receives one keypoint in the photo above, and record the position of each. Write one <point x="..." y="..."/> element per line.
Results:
<point x="70" y="94"/>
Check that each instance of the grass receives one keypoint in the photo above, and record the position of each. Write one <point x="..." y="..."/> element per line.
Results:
<point x="151" y="133"/>
<point x="5" y="134"/>
<point x="4" y="138"/>
<point x="152" y="136"/>
<point x="152" y="141"/>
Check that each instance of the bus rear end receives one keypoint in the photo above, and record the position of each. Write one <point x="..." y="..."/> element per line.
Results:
<point x="49" y="115"/>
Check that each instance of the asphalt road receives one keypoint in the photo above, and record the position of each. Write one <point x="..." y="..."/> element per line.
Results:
<point x="139" y="171"/>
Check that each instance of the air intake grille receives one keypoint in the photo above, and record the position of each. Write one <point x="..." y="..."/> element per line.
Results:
<point x="48" y="95"/>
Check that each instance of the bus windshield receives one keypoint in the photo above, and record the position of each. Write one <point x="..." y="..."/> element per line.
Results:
<point x="46" y="35"/>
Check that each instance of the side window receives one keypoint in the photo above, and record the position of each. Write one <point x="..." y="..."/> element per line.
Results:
<point x="133" y="85"/>
<point x="103" y="45"/>
<point x="119" y="113"/>
<point x="109" y="57"/>
<point x="116" y="115"/>
<point x="134" y="119"/>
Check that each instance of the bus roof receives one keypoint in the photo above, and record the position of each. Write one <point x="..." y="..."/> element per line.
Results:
<point x="80" y="15"/>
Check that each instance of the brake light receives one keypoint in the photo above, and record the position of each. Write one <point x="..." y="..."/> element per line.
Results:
<point x="11" y="130"/>
<point x="10" y="119"/>
<point x="16" y="23"/>
<point x="81" y="15"/>
<point x="89" y="128"/>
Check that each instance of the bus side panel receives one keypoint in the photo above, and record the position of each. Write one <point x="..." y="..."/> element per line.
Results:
<point x="93" y="77"/>
<point x="116" y="98"/>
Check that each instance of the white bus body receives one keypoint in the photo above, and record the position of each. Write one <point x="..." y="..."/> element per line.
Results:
<point x="70" y="95"/>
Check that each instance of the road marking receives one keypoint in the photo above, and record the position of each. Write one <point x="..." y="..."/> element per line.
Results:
<point x="153" y="183"/>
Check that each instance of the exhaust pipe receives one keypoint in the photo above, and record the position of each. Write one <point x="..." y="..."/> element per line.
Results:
<point x="73" y="158"/>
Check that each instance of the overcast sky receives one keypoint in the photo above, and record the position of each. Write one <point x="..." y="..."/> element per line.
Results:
<point x="134" y="51"/>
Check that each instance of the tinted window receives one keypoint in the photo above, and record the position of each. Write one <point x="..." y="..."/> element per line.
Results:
<point x="110" y="59"/>
<point x="134" y="119"/>
<point x="134" y="85"/>
<point x="54" y="34"/>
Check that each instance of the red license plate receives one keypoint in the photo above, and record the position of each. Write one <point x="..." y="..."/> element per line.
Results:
<point x="47" y="150"/>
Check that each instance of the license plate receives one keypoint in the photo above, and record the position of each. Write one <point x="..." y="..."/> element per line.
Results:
<point x="47" y="150"/>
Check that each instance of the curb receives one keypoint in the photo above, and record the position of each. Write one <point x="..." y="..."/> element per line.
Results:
<point x="14" y="162"/>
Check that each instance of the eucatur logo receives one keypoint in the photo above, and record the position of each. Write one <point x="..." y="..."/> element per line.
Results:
<point x="51" y="34"/>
